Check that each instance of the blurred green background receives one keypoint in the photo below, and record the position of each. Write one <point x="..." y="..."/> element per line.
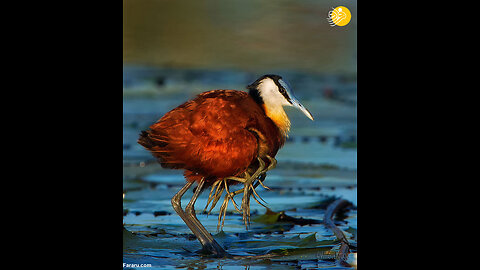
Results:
<point x="249" y="35"/>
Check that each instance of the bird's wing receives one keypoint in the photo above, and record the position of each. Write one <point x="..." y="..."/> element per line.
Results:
<point x="207" y="135"/>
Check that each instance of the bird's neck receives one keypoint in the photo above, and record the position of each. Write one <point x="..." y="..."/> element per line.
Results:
<point x="273" y="111"/>
<point x="279" y="117"/>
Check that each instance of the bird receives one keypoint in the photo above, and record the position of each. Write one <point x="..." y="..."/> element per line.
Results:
<point x="222" y="138"/>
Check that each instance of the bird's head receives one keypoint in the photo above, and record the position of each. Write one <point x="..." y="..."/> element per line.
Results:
<point x="272" y="93"/>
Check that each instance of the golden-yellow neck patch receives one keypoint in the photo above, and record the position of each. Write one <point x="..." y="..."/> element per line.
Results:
<point x="279" y="117"/>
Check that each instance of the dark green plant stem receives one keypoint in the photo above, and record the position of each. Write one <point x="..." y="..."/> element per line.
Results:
<point x="328" y="220"/>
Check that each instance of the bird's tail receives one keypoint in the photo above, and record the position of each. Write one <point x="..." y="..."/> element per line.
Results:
<point x="159" y="149"/>
<point x="145" y="140"/>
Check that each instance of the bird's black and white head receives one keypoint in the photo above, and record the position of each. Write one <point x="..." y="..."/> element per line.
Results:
<point x="272" y="93"/>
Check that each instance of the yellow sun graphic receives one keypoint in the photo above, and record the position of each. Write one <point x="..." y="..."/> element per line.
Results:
<point x="339" y="16"/>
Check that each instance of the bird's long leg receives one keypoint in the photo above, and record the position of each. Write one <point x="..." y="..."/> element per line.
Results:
<point x="263" y="174"/>
<point x="206" y="241"/>
<point x="190" y="209"/>
<point x="213" y="246"/>
<point x="273" y="163"/>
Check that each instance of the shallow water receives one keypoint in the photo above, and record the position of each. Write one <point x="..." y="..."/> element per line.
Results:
<point x="157" y="236"/>
<point x="317" y="163"/>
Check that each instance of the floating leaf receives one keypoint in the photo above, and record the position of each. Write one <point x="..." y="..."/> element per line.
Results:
<point x="269" y="217"/>
<point x="297" y="254"/>
<point x="310" y="240"/>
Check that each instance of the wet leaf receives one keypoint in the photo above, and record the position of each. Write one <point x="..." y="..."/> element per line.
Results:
<point x="279" y="241"/>
<point x="310" y="240"/>
<point x="269" y="217"/>
<point x="297" y="254"/>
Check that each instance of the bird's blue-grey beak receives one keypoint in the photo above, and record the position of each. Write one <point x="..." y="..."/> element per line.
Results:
<point x="294" y="101"/>
<point x="299" y="105"/>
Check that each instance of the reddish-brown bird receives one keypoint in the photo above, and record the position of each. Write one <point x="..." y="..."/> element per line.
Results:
<point x="220" y="138"/>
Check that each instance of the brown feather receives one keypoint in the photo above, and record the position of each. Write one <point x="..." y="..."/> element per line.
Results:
<point x="215" y="135"/>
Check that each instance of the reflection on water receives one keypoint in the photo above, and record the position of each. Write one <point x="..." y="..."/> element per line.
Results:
<point x="251" y="35"/>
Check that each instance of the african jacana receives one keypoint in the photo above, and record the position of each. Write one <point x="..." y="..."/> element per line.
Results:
<point x="221" y="138"/>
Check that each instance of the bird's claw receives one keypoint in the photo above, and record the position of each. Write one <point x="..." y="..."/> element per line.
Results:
<point x="249" y="182"/>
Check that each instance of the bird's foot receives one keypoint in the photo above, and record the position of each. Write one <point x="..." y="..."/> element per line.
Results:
<point x="250" y="182"/>
<point x="223" y="209"/>
<point x="249" y="189"/>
